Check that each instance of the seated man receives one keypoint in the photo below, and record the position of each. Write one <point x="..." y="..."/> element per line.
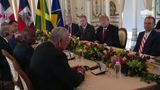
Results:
<point x="107" y="33"/>
<point x="23" y="50"/>
<point x="148" y="41"/>
<point x="5" y="73"/>
<point x="49" y="65"/>
<point x="87" y="31"/>
<point x="5" y="36"/>
<point x="73" y="29"/>
<point x="13" y="26"/>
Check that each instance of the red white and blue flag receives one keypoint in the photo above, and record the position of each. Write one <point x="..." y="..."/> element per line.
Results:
<point x="2" y="17"/>
<point x="24" y="16"/>
<point x="6" y="12"/>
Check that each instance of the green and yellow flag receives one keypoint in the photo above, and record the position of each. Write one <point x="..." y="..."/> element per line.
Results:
<point x="43" y="21"/>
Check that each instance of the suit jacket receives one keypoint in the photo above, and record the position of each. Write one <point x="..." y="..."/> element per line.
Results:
<point x="5" y="45"/>
<point x="50" y="69"/>
<point x="88" y="33"/>
<point x="75" y="30"/>
<point x="112" y="38"/>
<point x="5" y="74"/>
<point x="12" y="42"/>
<point x="23" y="53"/>
<point x="152" y="45"/>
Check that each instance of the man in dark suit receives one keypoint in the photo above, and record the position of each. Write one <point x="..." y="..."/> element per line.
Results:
<point x="73" y="29"/>
<point x="107" y="33"/>
<point x="148" y="41"/>
<point x="13" y="26"/>
<point x="5" y="74"/>
<point x="87" y="31"/>
<point x="5" y="36"/>
<point x="23" y="51"/>
<point x="49" y="65"/>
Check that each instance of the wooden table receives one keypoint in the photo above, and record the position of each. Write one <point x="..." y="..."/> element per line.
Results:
<point x="109" y="82"/>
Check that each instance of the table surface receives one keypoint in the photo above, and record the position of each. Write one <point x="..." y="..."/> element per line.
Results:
<point x="108" y="81"/>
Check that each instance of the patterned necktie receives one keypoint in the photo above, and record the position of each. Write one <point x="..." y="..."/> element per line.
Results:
<point x="142" y="43"/>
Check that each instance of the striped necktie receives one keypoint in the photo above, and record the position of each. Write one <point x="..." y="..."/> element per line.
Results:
<point x="142" y="43"/>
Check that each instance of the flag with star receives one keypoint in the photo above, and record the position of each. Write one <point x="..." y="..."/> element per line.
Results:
<point x="56" y="16"/>
<point x="6" y="12"/>
<point x="24" y="16"/>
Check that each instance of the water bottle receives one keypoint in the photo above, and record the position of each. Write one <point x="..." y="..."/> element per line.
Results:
<point x="117" y="68"/>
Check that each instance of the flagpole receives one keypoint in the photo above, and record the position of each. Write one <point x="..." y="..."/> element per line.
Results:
<point x="14" y="8"/>
<point x="33" y="9"/>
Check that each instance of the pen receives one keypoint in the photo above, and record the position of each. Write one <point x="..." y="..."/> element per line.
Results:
<point x="99" y="66"/>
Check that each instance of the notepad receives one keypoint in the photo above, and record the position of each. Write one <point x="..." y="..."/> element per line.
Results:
<point x="70" y="55"/>
<point x="100" y="70"/>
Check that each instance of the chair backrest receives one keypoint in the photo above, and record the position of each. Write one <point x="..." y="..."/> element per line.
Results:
<point x="20" y="79"/>
<point x="122" y="37"/>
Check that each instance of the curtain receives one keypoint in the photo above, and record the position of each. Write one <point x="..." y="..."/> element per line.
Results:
<point x="122" y="3"/>
<point x="148" y="4"/>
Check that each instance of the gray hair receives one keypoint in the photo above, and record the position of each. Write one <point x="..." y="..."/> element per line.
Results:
<point x="4" y="24"/>
<point x="4" y="32"/>
<point x="58" y="33"/>
<point x="69" y="16"/>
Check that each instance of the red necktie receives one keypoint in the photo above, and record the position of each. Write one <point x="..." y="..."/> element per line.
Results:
<point x="142" y="43"/>
<point x="104" y="35"/>
<point x="69" y="30"/>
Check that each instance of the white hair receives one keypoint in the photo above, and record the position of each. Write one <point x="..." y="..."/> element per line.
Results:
<point x="58" y="33"/>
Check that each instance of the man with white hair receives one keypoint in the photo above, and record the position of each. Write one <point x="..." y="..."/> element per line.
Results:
<point x="49" y="65"/>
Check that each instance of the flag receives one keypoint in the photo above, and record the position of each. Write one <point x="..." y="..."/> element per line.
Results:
<point x="2" y="17"/>
<point x="7" y="12"/>
<point x="43" y="21"/>
<point x="56" y="16"/>
<point x="24" y="15"/>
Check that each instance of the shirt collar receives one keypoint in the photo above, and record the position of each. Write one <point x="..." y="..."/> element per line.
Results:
<point x="5" y="39"/>
<point x="85" y="26"/>
<point x="148" y="33"/>
<point x="70" y="25"/>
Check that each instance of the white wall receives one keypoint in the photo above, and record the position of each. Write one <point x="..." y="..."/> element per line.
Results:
<point x="128" y="18"/>
<point x="128" y="15"/>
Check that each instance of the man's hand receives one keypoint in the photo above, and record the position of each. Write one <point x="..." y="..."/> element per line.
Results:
<point x="79" y="69"/>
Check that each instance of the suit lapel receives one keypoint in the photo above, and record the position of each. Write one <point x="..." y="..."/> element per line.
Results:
<point x="73" y="29"/>
<point x="150" y="37"/>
